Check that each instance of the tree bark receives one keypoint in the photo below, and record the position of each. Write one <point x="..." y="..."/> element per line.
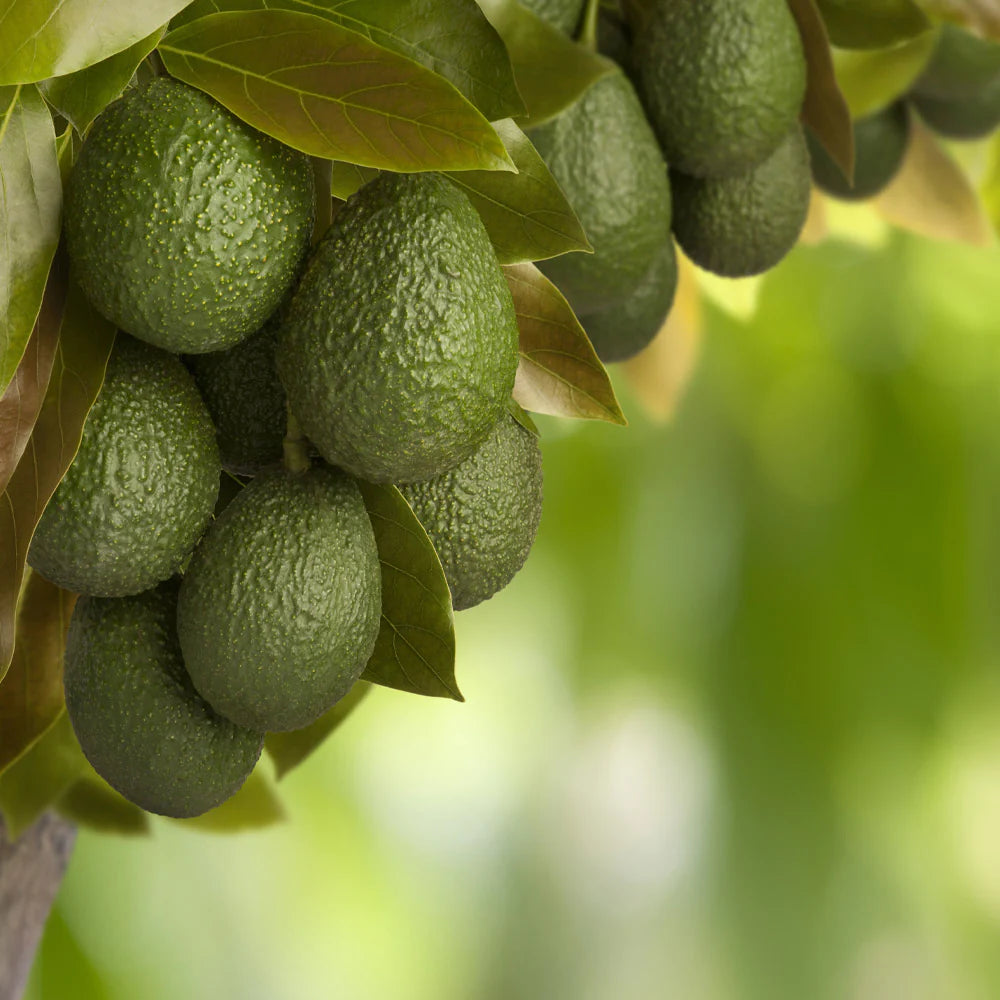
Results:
<point x="31" y="869"/>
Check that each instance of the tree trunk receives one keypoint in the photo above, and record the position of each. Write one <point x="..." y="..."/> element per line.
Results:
<point x="31" y="869"/>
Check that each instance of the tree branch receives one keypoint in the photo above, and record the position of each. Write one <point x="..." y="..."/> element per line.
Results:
<point x="31" y="869"/>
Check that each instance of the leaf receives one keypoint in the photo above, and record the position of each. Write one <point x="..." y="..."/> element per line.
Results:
<point x="864" y="24"/>
<point x="560" y="372"/>
<point x="331" y="93"/>
<point x="348" y="178"/>
<point x="22" y="402"/>
<point x="982" y="16"/>
<point x="81" y="96"/>
<point x="931" y="195"/>
<point x="522" y="417"/>
<point x="824" y="110"/>
<point x="254" y="806"/>
<point x="415" y="649"/>
<point x="30" y="206"/>
<point x="90" y="801"/>
<point x="450" y="37"/>
<point x="290" y="749"/>
<point x="871" y="81"/>
<point x="551" y="70"/>
<point x="659" y="375"/>
<point x="37" y="779"/>
<point x="31" y="695"/>
<point x="85" y="341"/>
<point x="56" y="37"/>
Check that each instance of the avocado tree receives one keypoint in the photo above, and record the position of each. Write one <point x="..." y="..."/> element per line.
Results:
<point x="281" y="283"/>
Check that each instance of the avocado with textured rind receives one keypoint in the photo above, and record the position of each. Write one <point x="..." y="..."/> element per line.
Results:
<point x="185" y="225"/>
<point x="739" y="226"/>
<point x="482" y="516"/>
<point x="139" y="720"/>
<point x="141" y="489"/>
<point x="280" y="606"/>
<point x="399" y="348"/>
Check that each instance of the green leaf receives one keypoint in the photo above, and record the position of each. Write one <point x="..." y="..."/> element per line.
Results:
<point x="53" y="38"/>
<point x="37" y="779"/>
<point x="288" y="750"/>
<point x="522" y="417"/>
<point x="348" y="178"/>
<point x="824" y="110"/>
<point x="22" y="402"/>
<point x="81" y="96"/>
<point x="873" y="80"/>
<point x="90" y="801"/>
<point x="31" y="695"/>
<point x="254" y="806"/>
<point x="551" y="70"/>
<point x="559" y="373"/>
<point x="332" y="93"/>
<point x="872" y="24"/>
<point x="30" y="206"/>
<point x="415" y="649"/>
<point x="450" y="37"/>
<point x="85" y="341"/>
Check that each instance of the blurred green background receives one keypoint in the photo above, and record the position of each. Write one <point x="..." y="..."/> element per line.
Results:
<point x="733" y="733"/>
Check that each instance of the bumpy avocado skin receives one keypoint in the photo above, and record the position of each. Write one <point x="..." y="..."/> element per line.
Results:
<point x="482" y="516"/>
<point x="604" y="156"/>
<point x="185" y="225"/>
<point x="280" y="607"/>
<point x="722" y="81"/>
<point x="961" y="66"/>
<point x="139" y="720"/>
<point x="880" y="142"/>
<point x="962" y="118"/>
<point x="621" y="332"/>
<point x="400" y="346"/>
<point x="143" y="485"/>
<point x="739" y="226"/>
<point x="561" y="14"/>
<point x="247" y="401"/>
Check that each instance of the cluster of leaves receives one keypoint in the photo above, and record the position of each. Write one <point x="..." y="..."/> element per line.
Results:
<point x="363" y="85"/>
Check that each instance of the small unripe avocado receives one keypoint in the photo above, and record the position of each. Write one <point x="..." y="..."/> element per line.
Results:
<point x="139" y="720"/>
<point x="280" y="607"/>
<point x="962" y="118"/>
<point x="621" y="332"/>
<point x="880" y="142"/>
<point x="399" y="348"/>
<point x="738" y="226"/>
<point x="185" y="225"/>
<point x="722" y="81"/>
<point x="962" y="65"/>
<point x="561" y="14"/>
<point x="143" y="485"/>
<point x="482" y="516"/>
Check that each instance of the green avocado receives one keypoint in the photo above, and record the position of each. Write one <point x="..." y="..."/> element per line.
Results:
<point x="962" y="118"/>
<point x="961" y="66"/>
<point x="142" y="487"/>
<point x="604" y="156"/>
<point x="562" y="14"/>
<point x="185" y="225"/>
<point x="621" y="332"/>
<point x="247" y="401"/>
<point x="400" y="346"/>
<point x="722" y="81"/>
<point x="880" y="142"/>
<point x="738" y="226"/>
<point x="482" y="516"/>
<point x="280" y="607"/>
<point x="139" y="720"/>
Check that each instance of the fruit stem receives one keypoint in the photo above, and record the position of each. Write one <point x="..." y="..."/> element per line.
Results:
<point x="156" y="64"/>
<point x="588" y="30"/>
<point x="296" y="454"/>
<point x="323" y="174"/>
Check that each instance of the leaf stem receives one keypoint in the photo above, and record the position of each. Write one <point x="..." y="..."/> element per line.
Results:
<point x="588" y="29"/>
<point x="295" y="451"/>
<point x="156" y="64"/>
<point x="323" y="174"/>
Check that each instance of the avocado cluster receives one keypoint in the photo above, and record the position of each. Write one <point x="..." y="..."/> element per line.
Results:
<point x="286" y="366"/>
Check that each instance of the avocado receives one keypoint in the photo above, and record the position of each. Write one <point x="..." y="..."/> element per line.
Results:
<point x="880" y="142"/>
<point x="738" y="226"/>
<point x="246" y="399"/>
<point x="962" y="118"/>
<point x="139" y="720"/>
<point x="280" y="607"/>
<point x="142" y="487"/>
<point x="400" y="345"/>
<point x="961" y="66"/>
<point x="621" y="332"/>
<point x="482" y="516"/>
<point x="562" y="14"/>
<point x="604" y="156"/>
<point x="185" y="225"/>
<point x="722" y="80"/>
